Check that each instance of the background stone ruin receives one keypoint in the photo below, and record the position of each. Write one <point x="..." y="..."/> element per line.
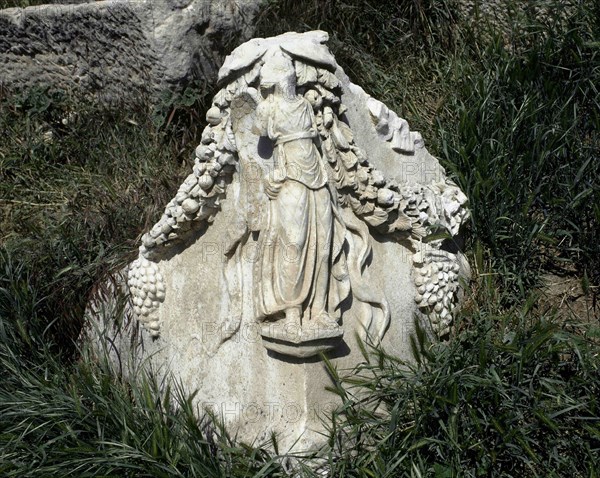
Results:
<point x="120" y="50"/>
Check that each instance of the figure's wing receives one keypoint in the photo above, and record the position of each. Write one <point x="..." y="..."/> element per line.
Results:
<point x="248" y="198"/>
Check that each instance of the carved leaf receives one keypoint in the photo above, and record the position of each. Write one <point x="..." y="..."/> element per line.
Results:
<point x="348" y="159"/>
<point x="364" y="208"/>
<point x="305" y="73"/>
<point x="319" y="55"/>
<point x="339" y="139"/>
<point x="376" y="218"/>
<point x="242" y="57"/>
<point x="329" y="150"/>
<point x="369" y="193"/>
<point x="220" y="99"/>
<point x="327" y="95"/>
<point x="349" y="179"/>
<point x="402" y="223"/>
<point x="253" y="74"/>
<point x="346" y="131"/>
<point x="328" y="79"/>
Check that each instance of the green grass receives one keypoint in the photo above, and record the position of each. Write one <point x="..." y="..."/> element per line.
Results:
<point x="512" y="395"/>
<point x="513" y="116"/>
<point x="79" y="185"/>
<point x="84" y="421"/>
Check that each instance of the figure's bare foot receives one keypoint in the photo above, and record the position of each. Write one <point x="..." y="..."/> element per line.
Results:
<point x="293" y="316"/>
<point x="292" y="323"/>
<point x="325" y="321"/>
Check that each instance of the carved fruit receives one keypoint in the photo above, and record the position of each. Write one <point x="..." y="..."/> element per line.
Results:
<point x="165" y="228"/>
<point x="190" y="206"/>
<point x="314" y="98"/>
<point x="203" y="152"/>
<point x="181" y="196"/>
<point x="199" y="169"/>
<point x="205" y="181"/>
<point x="207" y="135"/>
<point x="213" y="116"/>
<point x="226" y="158"/>
<point x="385" y="197"/>
<point x="148" y="241"/>
<point x="377" y="178"/>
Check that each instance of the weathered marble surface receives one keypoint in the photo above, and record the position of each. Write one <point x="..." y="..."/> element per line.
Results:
<point x="119" y="50"/>
<point x="296" y="155"/>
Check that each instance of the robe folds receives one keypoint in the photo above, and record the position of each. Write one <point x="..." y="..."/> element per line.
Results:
<point x="310" y="252"/>
<point x="301" y="262"/>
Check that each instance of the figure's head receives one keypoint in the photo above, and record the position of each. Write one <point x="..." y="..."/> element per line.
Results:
<point x="278" y="70"/>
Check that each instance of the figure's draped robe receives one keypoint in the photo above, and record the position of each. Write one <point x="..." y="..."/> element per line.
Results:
<point x="302" y="264"/>
<point x="312" y="253"/>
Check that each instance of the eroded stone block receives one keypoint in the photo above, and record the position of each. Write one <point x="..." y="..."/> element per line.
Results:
<point x="300" y="231"/>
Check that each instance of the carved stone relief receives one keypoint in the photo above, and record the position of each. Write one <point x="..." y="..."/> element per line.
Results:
<point x="313" y="219"/>
<point x="313" y="199"/>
